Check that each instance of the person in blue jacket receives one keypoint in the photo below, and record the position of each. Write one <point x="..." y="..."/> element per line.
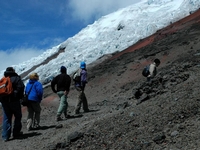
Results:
<point x="35" y="97"/>
<point x="80" y="87"/>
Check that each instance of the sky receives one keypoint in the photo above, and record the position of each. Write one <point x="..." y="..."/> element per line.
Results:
<point x="30" y="27"/>
<point x="109" y="34"/>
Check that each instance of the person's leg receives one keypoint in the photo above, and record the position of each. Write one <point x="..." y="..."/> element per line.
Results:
<point x="149" y="80"/>
<point x="85" y="103"/>
<point x="37" y="111"/>
<point x="30" y="116"/>
<point x="63" y="104"/>
<point x="16" y="108"/>
<point x="79" y="102"/>
<point x="7" y="121"/>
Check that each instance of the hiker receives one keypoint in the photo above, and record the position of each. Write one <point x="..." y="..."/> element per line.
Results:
<point x="80" y="87"/>
<point x="34" y="90"/>
<point x="141" y="93"/>
<point x="62" y="82"/>
<point x="153" y="70"/>
<point x="12" y="107"/>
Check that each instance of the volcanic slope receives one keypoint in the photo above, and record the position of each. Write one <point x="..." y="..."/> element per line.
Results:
<point x="126" y="112"/>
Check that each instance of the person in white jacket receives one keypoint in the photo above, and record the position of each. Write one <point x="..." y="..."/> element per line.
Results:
<point x="153" y="69"/>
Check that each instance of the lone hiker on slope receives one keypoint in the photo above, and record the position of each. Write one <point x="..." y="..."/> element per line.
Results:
<point x="141" y="93"/>
<point x="153" y="69"/>
<point x="63" y="82"/>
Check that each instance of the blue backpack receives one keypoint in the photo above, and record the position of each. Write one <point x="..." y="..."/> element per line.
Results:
<point x="145" y="71"/>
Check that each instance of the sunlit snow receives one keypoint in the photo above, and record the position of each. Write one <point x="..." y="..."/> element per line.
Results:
<point x="111" y="33"/>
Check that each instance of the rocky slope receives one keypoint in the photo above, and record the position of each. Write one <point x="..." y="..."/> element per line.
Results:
<point x="126" y="112"/>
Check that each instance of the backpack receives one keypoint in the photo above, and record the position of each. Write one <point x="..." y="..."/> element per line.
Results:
<point x="5" y="86"/>
<point x="145" y="71"/>
<point x="76" y="76"/>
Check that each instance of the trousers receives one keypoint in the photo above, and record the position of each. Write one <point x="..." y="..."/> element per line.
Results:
<point x="10" y="109"/>
<point x="63" y="103"/>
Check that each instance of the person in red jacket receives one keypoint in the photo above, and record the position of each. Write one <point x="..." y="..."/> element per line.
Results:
<point x="62" y="82"/>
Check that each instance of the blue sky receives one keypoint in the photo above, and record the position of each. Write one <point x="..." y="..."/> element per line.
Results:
<point x="29" y="27"/>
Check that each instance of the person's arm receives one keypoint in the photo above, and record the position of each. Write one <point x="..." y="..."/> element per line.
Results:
<point x="152" y="70"/>
<point x="53" y="83"/>
<point x="19" y="87"/>
<point x="68" y="86"/>
<point x="39" y="90"/>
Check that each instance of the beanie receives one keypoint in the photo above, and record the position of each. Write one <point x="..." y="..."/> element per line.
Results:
<point x="10" y="69"/>
<point x="63" y="69"/>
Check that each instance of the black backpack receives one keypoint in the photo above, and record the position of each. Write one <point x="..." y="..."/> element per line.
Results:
<point x="145" y="71"/>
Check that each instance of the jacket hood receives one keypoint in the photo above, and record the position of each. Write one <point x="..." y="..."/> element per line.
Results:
<point x="31" y="81"/>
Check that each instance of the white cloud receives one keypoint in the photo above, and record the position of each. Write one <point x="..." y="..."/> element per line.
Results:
<point x="85" y="10"/>
<point x="16" y="56"/>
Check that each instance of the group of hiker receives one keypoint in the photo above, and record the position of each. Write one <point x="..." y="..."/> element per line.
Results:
<point x="11" y="103"/>
<point x="60" y="85"/>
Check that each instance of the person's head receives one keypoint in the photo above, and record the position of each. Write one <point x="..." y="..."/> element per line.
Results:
<point x="34" y="76"/>
<point x="63" y="69"/>
<point x="82" y="65"/>
<point x="10" y="69"/>
<point x="157" y="62"/>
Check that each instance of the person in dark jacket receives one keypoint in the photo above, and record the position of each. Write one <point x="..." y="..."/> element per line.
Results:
<point x="80" y="87"/>
<point x="34" y="98"/>
<point x="62" y="83"/>
<point x="11" y="106"/>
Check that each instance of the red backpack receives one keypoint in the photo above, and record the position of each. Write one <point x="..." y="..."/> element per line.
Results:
<point x="5" y="86"/>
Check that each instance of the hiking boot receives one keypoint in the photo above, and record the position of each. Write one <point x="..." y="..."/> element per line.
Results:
<point x="58" y="118"/>
<point x="5" y="140"/>
<point x="29" y="124"/>
<point x="20" y="134"/>
<point x="77" y="112"/>
<point x="37" y="126"/>
<point x="87" y="110"/>
<point x="66" y="116"/>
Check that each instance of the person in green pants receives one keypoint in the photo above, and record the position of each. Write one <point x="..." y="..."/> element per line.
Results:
<point x="62" y="82"/>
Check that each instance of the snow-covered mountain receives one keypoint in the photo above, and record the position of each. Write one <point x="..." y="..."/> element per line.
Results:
<point x="111" y="33"/>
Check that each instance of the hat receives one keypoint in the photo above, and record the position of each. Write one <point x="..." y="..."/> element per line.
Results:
<point x="10" y="69"/>
<point x="157" y="61"/>
<point x="82" y="65"/>
<point x="63" y="69"/>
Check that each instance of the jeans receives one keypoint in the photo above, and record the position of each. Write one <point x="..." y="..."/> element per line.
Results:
<point x="63" y="103"/>
<point x="10" y="109"/>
